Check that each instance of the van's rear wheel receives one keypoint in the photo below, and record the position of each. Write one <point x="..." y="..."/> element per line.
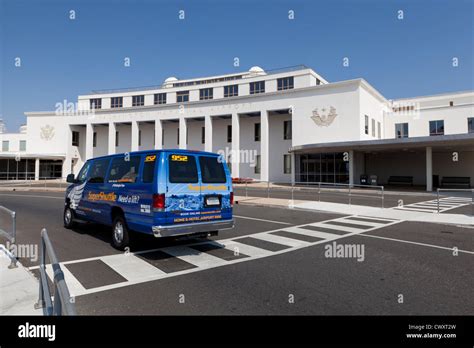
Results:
<point x="68" y="217"/>
<point x="120" y="233"/>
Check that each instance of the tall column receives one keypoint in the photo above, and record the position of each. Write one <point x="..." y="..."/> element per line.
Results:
<point x="264" y="146"/>
<point x="293" y="168"/>
<point x="158" y="135"/>
<point x="89" y="141"/>
<point x="111" y="146"/>
<point x="351" y="167"/>
<point x="429" y="169"/>
<point x="135" y="135"/>
<point x="37" y="168"/>
<point x="235" y="146"/>
<point x="182" y="133"/>
<point x="208" y="133"/>
<point x="66" y="170"/>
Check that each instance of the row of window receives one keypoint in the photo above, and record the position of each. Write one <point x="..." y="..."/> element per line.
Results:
<point x="204" y="94"/>
<point x="6" y="145"/>
<point x="286" y="164"/>
<point x="436" y="128"/>
<point x="366" y="127"/>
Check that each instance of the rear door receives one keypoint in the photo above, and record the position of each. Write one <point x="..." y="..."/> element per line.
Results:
<point x="183" y="193"/>
<point x="216" y="188"/>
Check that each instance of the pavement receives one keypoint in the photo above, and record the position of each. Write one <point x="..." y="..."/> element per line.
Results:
<point x="277" y="260"/>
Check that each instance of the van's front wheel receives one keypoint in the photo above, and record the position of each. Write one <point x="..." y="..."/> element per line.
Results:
<point x="68" y="217"/>
<point x="120" y="234"/>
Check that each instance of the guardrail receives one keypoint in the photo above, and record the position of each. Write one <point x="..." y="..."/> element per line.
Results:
<point x="61" y="305"/>
<point x="456" y="190"/>
<point x="319" y="188"/>
<point x="11" y="236"/>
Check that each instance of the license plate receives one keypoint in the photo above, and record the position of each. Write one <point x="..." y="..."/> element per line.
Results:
<point x="212" y="201"/>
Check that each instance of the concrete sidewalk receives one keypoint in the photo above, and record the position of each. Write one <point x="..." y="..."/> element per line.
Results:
<point x="390" y="213"/>
<point x="18" y="288"/>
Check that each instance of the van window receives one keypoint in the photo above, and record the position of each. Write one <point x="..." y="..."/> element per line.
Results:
<point x="124" y="171"/>
<point x="98" y="170"/>
<point x="148" y="168"/>
<point x="82" y="176"/>
<point x="212" y="170"/>
<point x="182" y="169"/>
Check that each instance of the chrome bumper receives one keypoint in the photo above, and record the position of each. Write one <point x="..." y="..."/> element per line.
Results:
<point x="197" y="227"/>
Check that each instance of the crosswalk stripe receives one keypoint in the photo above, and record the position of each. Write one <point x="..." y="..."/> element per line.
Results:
<point x="131" y="267"/>
<point x="336" y="228"/>
<point x="312" y="233"/>
<point x="280" y="240"/>
<point x="366" y="223"/>
<point x="194" y="256"/>
<point x="246" y="249"/>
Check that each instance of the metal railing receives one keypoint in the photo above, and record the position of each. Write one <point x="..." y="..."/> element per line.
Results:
<point x="62" y="304"/>
<point x="42" y="182"/>
<point x="471" y="191"/>
<point x="10" y="235"/>
<point x="318" y="189"/>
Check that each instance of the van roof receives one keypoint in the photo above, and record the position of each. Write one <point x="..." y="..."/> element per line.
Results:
<point x="178" y="151"/>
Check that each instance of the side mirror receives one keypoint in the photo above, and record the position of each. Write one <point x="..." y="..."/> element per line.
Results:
<point x="71" y="178"/>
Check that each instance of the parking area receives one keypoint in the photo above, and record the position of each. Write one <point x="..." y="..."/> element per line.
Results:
<point x="275" y="261"/>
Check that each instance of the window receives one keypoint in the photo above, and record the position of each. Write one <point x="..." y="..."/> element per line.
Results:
<point x="95" y="103"/>
<point x="94" y="139"/>
<point x="257" y="87"/>
<point x="182" y="97"/>
<point x="437" y="127"/>
<point x="470" y="125"/>
<point x="212" y="170"/>
<point x="285" y="83"/>
<point x="75" y="138"/>
<point x="205" y="93"/>
<point x="203" y="135"/>
<point x="98" y="170"/>
<point x="22" y="145"/>
<point x="257" y="131"/>
<point x="373" y="128"/>
<point x="116" y="102"/>
<point x="138" y="100"/>
<point x="124" y="169"/>
<point x="287" y="125"/>
<point x="318" y="81"/>
<point x="177" y="136"/>
<point x="229" y="133"/>
<point x="231" y="91"/>
<point x="160" y="98"/>
<point x="366" y="125"/>
<point x="451" y="103"/>
<point x="139" y="137"/>
<point x="286" y="164"/>
<point x="116" y="138"/>
<point x="379" y="130"/>
<point x="149" y="168"/>
<point x="401" y="130"/>
<point x="182" y="169"/>
<point x="257" y="164"/>
<point x="5" y="145"/>
<point x="82" y="176"/>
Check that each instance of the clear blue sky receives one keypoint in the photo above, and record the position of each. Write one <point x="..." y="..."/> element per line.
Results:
<point x="63" y="58"/>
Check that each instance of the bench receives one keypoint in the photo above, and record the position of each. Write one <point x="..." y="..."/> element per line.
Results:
<point x="456" y="181"/>
<point x="400" y="180"/>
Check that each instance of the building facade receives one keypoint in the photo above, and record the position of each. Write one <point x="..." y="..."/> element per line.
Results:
<point x="286" y="125"/>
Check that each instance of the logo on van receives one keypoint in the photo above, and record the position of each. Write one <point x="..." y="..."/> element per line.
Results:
<point x="150" y="158"/>
<point x="179" y="158"/>
<point x="325" y="119"/>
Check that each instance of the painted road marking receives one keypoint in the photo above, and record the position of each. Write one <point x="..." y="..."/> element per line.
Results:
<point x="257" y="219"/>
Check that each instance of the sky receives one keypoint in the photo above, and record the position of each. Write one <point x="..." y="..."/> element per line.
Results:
<point x="62" y="58"/>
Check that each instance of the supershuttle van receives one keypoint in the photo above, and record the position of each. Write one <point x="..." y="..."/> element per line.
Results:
<point x="161" y="192"/>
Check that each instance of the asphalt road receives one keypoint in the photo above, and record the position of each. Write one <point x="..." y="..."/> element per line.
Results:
<point x="401" y="260"/>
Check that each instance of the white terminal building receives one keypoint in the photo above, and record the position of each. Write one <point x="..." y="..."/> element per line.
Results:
<point x="285" y="125"/>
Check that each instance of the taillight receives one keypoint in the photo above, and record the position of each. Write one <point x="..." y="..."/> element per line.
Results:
<point x="158" y="202"/>
<point x="232" y="199"/>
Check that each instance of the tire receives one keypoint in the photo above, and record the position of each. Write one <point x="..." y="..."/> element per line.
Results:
<point x="68" y="217"/>
<point x="120" y="233"/>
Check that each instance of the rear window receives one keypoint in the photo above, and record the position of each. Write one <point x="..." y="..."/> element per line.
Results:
<point x="182" y="169"/>
<point x="124" y="169"/>
<point x="149" y="168"/>
<point x="212" y="170"/>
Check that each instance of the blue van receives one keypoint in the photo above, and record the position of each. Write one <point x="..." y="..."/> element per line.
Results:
<point x="160" y="192"/>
